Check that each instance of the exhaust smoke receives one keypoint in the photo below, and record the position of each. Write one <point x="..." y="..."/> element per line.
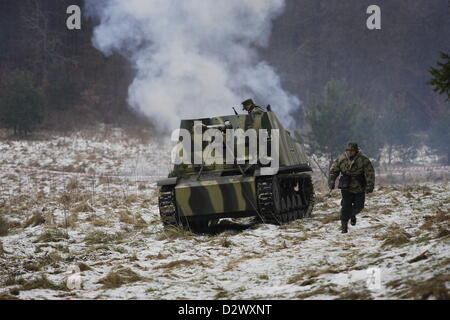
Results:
<point x="193" y="58"/>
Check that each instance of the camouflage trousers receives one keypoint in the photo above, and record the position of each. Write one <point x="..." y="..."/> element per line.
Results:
<point x="352" y="204"/>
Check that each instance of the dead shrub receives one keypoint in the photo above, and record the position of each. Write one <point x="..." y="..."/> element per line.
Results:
<point x="395" y="236"/>
<point x="116" y="279"/>
<point x="52" y="235"/>
<point x="84" y="267"/>
<point x="439" y="219"/>
<point x="126" y="217"/>
<point x="97" y="237"/>
<point x="434" y="287"/>
<point x="36" y="219"/>
<point x="42" y="282"/>
<point x="82" y="207"/>
<point x="175" y="233"/>
<point x="442" y="233"/>
<point x="131" y="198"/>
<point x="226" y="243"/>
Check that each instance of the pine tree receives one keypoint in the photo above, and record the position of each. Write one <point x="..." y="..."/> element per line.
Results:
<point x="338" y="117"/>
<point x="441" y="76"/>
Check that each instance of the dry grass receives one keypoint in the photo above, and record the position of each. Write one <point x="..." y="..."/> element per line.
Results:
<point x="84" y="267"/>
<point x="42" y="282"/>
<point x="5" y="297"/>
<point x="329" y="218"/>
<point x="41" y="262"/>
<point x="435" y="287"/>
<point x="52" y="235"/>
<point x="4" y="227"/>
<point x="82" y="207"/>
<point x="126" y="217"/>
<point x="420" y="257"/>
<point x="395" y="236"/>
<point x="441" y="218"/>
<point x="324" y="290"/>
<point x="309" y="276"/>
<point x="71" y="220"/>
<point x="158" y="256"/>
<point x="132" y="198"/>
<point x="263" y="277"/>
<point x="181" y="263"/>
<point x="221" y="294"/>
<point x="233" y="263"/>
<point x="171" y="233"/>
<point x="116" y="279"/>
<point x="356" y="295"/>
<point x="36" y="219"/>
<point x="97" y="237"/>
<point x="73" y="183"/>
<point x="226" y="243"/>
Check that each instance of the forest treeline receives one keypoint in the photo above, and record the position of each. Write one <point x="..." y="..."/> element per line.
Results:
<point x="373" y="86"/>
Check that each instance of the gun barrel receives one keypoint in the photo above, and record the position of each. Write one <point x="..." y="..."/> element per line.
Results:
<point x="221" y="126"/>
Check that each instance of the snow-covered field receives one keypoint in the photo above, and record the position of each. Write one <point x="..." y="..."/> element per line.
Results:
<point x="70" y="236"/>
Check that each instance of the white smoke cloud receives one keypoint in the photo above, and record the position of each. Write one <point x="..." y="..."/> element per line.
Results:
<point x="193" y="58"/>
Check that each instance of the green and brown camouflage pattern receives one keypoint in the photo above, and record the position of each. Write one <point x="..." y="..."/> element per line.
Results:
<point x="232" y="195"/>
<point x="221" y="189"/>
<point x="291" y="151"/>
<point x="360" y="165"/>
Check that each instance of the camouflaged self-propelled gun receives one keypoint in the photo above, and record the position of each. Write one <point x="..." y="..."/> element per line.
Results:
<point x="197" y="195"/>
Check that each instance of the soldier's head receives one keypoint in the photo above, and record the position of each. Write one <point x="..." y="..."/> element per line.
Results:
<point x="248" y="105"/>
<point x="351" y="149"/>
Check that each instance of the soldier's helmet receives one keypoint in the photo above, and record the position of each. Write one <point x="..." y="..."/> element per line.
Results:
<point x="248" y="102"/>
<point x="352" y="146"/>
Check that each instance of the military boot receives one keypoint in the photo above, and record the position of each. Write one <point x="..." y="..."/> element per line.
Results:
<point x="353" y="220"/>
<point x="344" y="226"/>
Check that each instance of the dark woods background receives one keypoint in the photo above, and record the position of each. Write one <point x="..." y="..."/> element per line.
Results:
<point x="355" y="84"/>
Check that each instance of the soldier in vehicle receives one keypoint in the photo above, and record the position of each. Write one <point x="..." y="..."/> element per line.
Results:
<point x="252" y="109"/>
<point x="357" y="178"/>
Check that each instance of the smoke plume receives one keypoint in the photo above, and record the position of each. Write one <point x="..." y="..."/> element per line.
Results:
<point x="193" y="58"/>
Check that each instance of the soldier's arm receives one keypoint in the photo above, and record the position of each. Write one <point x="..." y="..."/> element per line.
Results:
<point x="369" y="173"/>
<point x="335" y="171"/>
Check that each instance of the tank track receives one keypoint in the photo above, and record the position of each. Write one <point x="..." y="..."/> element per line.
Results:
<point x="281" y="199"/>
<point x="170" y="217"/>
<point x="285" y="198"/>
<point x="167" y="207"/>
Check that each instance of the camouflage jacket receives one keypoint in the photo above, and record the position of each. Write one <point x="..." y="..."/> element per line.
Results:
<point x="254" y="118"/>
<point x="256" y="110"/>
<point x="359" y="166"/>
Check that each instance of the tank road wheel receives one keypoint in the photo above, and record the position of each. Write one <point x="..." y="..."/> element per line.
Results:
<point x="269" y="200"/>
<point x="167" y="206"/>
